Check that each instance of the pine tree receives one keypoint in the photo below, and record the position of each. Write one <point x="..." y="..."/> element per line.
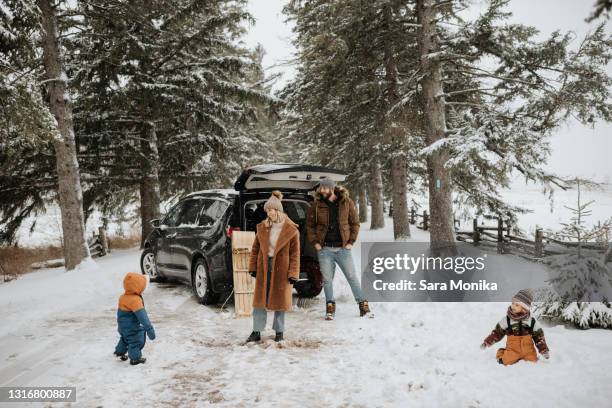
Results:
<point x="27" y="165"/>
<point x="504" y="95"/>
<point x="582" y="277"/>
<point x="344" y="104"/>
<point x="602" y="8"/>
<point x="441" y="228"/>
<point x="22" y="20"/>
<point x="166" y="102"/>
<point x="69" y="180"/>
<point x="481" y="91"/>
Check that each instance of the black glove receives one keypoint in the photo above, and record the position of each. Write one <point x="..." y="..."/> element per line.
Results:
<point x="292" y="280"/>
<point x="253" y="273"/>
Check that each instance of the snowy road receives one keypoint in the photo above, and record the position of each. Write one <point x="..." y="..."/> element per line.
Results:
<point x="59" y="329"/>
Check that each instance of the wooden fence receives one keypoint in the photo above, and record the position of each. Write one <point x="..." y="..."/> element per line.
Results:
<point x="422" y="220"/>
<point x="98" y="246"/>
<point x="500" y="233"/>
<point x="98" y="243"/>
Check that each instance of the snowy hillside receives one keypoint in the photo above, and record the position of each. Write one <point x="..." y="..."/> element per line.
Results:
<point x="59" y="329"/>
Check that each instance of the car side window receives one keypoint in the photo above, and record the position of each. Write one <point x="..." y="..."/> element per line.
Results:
<point x="189" y="213"/>
<point x="212" y="211"/>
<point x="172" y="218"/>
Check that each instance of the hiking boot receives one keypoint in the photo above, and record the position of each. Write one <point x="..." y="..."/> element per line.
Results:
<point x="255" y="336"/>
<point x="121" y="357"/>
<point x="141" y="360"/>
<point x="364" y="308"/>
<point x="278" y="337"/>
<point x="330" y="311"/>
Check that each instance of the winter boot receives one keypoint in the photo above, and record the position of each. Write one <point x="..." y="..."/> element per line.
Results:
<point x="121" y="357"/>
<point x="141" y="360"/>
<point x="255" y="336"/>
<point x="330" y="312"/>
<point x="278" y="337"/>
<point x="364" y="308"/>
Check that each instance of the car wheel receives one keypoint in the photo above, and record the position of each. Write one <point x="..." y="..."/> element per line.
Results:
<point x="148" y="265"/>
<point x="307" y="289"/>
<point x="200" y="281"/>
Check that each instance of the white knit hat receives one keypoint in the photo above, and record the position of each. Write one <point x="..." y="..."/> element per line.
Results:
<point x="274" y="201"/>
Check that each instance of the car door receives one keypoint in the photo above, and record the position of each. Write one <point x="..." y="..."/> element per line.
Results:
<point x="214" y="218"/>
<point x="167" y="231"/>
<point x="188" y="236"/>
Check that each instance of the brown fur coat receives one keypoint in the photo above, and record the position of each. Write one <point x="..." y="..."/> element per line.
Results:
<point x="285" y="264"/>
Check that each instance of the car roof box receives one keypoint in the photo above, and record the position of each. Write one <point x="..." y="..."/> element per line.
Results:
<point x="285" y="176"/>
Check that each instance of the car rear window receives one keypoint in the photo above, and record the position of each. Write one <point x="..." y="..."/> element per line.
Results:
<point x="254" y="212"/>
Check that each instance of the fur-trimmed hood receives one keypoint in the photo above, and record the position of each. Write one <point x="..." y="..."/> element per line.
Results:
<point x="340" y="191"/>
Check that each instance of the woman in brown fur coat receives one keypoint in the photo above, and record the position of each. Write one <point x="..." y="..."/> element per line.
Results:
<point x="275" y="264"/>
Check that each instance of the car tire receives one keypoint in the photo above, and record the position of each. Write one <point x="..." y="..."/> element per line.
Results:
<point x="307" y="289"/>
<point x="200" y="282"/>
<point x="148" y="266"/>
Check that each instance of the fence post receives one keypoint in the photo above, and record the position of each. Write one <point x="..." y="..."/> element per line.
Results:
<point x="103" y="241"/>
<point x="539" y="243"/>
<point x="412" y="215"/>
<point x="476" y="232"/>
<point x="500" y="235"/>
<point x="425" y="220"/>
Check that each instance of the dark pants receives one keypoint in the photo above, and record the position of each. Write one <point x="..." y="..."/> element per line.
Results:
<point x="132" y="344"/>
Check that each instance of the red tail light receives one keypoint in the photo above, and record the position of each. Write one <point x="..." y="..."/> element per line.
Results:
<point x="230" y="230"/>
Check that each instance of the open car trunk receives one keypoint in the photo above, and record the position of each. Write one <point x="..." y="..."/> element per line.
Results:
<point x="296" y="181"/>
<point x="285" y="176"/>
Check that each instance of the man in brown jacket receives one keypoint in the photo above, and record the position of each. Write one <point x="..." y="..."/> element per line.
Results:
<point x="332" y="226"/>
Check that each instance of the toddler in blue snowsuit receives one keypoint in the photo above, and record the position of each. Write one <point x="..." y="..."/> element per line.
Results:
<point x="132" y="319"/>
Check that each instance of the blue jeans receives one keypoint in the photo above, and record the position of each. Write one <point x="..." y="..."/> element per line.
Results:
<point x="261" y="315"/>
<point x="328" y="258"/>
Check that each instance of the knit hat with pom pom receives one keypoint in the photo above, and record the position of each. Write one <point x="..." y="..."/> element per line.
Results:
<point x="274" y="201"/>
<point x="524" y="297"/>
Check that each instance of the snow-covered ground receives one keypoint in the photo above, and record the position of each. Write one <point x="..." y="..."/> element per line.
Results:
<point x="59" y="329"/>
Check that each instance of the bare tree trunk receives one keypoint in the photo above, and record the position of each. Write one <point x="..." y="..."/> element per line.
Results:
<point x="363" y="203"/>
<point x="149" y="184"/>
<point x="440" y="188"/>
<point x="396" y="134"/>
<point x="608" y="254"/>
<point x="376" y="197"/>
<point x="69" y="179"/>
<point x="401" y="219"/>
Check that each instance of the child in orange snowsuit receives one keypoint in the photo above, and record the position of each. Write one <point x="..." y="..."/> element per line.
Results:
<point x="523" y="332"/>
<point x="132" y="319"/>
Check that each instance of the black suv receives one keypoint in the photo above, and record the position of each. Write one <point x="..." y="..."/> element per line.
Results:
<point x="192" y="243"/>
